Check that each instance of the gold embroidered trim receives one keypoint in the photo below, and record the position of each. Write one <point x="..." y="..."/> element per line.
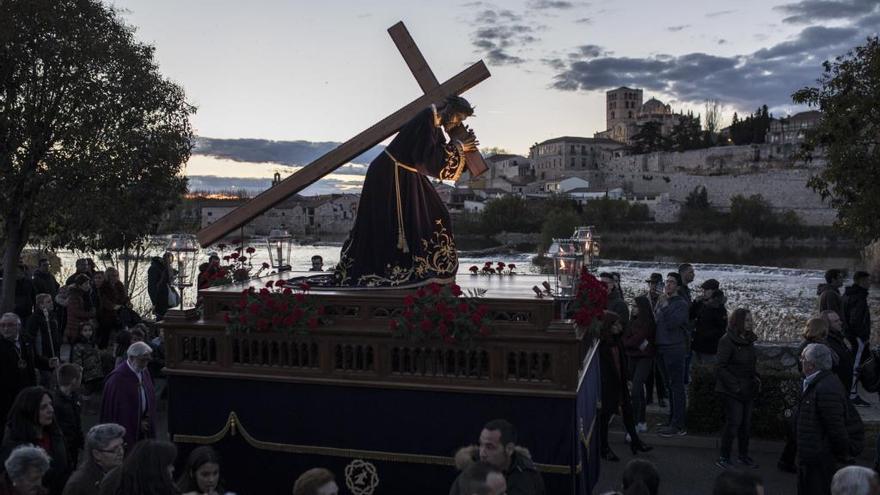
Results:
<point x="233" y="425"/>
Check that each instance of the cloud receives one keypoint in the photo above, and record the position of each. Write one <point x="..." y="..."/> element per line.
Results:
<point x="583" y="20"/>
<point x="588" y="51"/>
<point x="501" y="36"/>
<point x="282" y="152"/>
<point x="768" y="75"/>
<point x="720" y="13"/>
<point x="550" y="5"/>
<point x="722" y="41"/>
<point x="812" y="11"/>
<point x="676" y="29"/>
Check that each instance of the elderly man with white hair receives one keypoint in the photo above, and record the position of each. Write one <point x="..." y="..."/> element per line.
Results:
<point x="855" y="480"/>
<point x="823" y="437"/>
<point x="130" y="397"/>
<point x="105" y="448"/>
<point x="25" y="468"/>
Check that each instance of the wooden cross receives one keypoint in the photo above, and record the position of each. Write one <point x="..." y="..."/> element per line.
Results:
<point x="342" y="154"/>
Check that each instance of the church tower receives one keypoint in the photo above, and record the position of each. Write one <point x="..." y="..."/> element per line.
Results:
<point x="622" y="106"/>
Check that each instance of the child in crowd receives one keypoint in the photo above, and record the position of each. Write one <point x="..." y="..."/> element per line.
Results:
<point x="88" y="357"/>
<point x="127" y="337"/>
<point x="43" y="330"/>
<point x="68" y="410"/>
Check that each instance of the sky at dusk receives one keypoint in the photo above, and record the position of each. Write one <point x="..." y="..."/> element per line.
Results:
<point x="324" y="71"/>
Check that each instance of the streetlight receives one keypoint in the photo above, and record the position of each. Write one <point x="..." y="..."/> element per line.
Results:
<point x="279" y="244"/>
<point x="185" y="248"/>
<point x="567" y="264"/>
<point x="588" y="244"/>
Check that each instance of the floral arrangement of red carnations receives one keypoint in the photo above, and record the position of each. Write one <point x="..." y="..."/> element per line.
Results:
<point x="278" y="307"/>
<point x="496" y="268"/>
<point x="590" y="301"/>
<point x="441" y="312"/>
<point x="235" y="267"/>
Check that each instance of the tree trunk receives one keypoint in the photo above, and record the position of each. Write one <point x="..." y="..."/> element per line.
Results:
<point x="14" y="243"/>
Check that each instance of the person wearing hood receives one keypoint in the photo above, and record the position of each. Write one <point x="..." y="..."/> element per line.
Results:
<point x="709" y="314"/>
<point x="829" y="292"/>
<point x="158" y="280"/>
<point x="738" y="385"/>
<point x="498" y="447"/>
<point x="857" y="325"/>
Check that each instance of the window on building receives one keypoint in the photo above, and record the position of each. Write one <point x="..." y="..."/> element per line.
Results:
<point x="630" y="115"/>
<point x="572" y="149"/>
<point x="583" y="162"/>
<point x="612" y="114"/>
<point x="583" y="150"/>
<point x="572" y="162"/>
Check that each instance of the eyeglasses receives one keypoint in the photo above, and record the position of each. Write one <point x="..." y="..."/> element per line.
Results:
<point x="114" y="450"/>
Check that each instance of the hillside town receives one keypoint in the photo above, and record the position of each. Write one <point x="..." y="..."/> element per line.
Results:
<point x="587" y="168"/>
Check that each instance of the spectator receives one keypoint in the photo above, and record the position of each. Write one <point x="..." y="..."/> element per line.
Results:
<point x="130" y="397"/>
<point x="24" y="293"/>
<point x="86" y="355"/>
<point x="671" y="337"/>
<point x="836" y="340"/>
<point x="112" y="297"/>
<point x="158" y="283"/>
<point x="655" y="289"/>
<point x="498" y="447"/>
<point x="822" y="436"/>
<point x="734" y="482"/>
<point x="61" y="300"/>
<point x="640" y="476"/>
<point x="855" y="480"/>
<point x="17" y="362"/>
<point x="738" y="384"/>
<point x="82" y="268"/>
<point x="201" y="475"/>
<point x="317" y="264"/>
<point x="829" y="292"/>
<point x="104" y="451"/>
<point x="125" y="338"/>
<point x="615" y="299"/>
<point x="615" y="397"/>
<point x="316" y="481"/>
<point x="710" y="321"/>
<point x="79" y="308"/>
<point x="655" y="378"/>
<point x="43" y="280"/>
<point x="42" y="329"/>
<point x="815" y="332"/>
<point x="482" y="478"/>
<point x="857" y="323"/>
<point x="686" y="271"/>
<point x="68" y="410"/>
<point x="146" y="471"/>
<point x="209" y="271"/>
<point x="24" y="471"/>
<point x="32" y="421"/>
<point x="640" y="347"/>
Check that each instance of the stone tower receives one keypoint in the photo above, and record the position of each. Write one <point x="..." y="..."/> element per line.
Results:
<point x="622" y="106"/>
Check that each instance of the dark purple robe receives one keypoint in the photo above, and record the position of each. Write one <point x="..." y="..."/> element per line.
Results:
<point x="121" y="403"/>
<point x="402" y="235"/>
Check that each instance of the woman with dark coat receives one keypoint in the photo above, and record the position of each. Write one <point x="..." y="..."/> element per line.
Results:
<point x="615" y="396"/>
<point x="146" y="471"/>
<point x="710" y="321"/>
<point x="77" y="312"/>
<point x="32" y="421"/>
<point x="737" y="383"/>
<point x="638" y="341"/>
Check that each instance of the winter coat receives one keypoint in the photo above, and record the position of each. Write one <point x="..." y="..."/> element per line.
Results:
<point x="640" y="329"/>
<point x="77" y="313"/>
<point x="86" y="480"/>
<point x="157" y="284"/>
<point x="12" y="378"/>
<point x="68" y="413"/>
<point x="24" y="298"/>
<point x="843" y="366"/>
<point x="612" y="370"/>
<point x="6" y="487"/>
<point x="710" y="322"/>
<point x="88" y="357"/>
<point x="619" y="306"/>
<point x="735" y="366"/>
<point x="45" y="283"/>
<point x="523" y="477"/>
<point x="822" y="435"/>
<point x="58" y="472"/>
<point x="110" y="295"/>
<point x="672" y="322"/>
<point x="829" y="299"/>
<point x="856" y="316"/>
<point x="44" y="333"/>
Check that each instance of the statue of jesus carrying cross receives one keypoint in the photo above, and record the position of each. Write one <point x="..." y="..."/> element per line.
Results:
<point x="402" y="235"/>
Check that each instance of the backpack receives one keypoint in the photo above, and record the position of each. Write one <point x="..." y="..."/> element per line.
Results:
<point x="869" y="371"/>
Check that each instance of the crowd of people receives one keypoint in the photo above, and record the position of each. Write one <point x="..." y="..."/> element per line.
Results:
<point x="67" y="344"/>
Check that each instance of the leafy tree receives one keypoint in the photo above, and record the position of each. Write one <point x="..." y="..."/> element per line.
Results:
<point x="751" y="130"/>
<point x="848" y="95"/>
<point x="698" y="198"/>
<point x="559" y="223"/>
<point x="686" y="134"/>
<point x="753" y="214"/>
<point x="649" y="138"/>
<point x="92" y="137"/>
<point x="510" y="214"/>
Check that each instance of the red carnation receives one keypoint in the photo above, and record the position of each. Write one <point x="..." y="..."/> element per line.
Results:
<point x="305" y="286"/>
<point x="250" y="250"/>
<point x="287" y="291"/>
<point x="441" y="329"/>
<point x="270" y="284"/>
<point x="435" y="288"/>
<point x="312" y="323"/>
<point x="511" y="266"/>
<point x="456" y="290"/>
<point x="501" y="266"/>
<point x="242" y="259"/>
<point x="474" y="269"/>
<point x="221" y="247"/>
<point x="427" y="326"/>
<point x="265" y="266"/>
<point x="421" y="293"/>
<point x="254" y="308"/>
<point x="487" y="264"/>
<point x="299" y="297"/>
<point x="298" y="314"/>
<point x="463" y="307"/>
<point x="234" y="255"/>
<point x="227" y="258"/>
<point x="409" y="300"/>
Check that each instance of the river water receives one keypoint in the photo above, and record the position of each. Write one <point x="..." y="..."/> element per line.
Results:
<point x="778" y="286"/>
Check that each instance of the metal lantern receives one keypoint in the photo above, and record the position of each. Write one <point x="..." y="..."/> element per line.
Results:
<point x="185" y="249"/>
<point x="279" y="244"/>
<point x="588" y="243"/>
<point x="567" y="264"/>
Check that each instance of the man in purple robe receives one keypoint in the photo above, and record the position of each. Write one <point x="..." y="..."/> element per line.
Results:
<point x="129" y="396"/>
<point x="402" y="235"/>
